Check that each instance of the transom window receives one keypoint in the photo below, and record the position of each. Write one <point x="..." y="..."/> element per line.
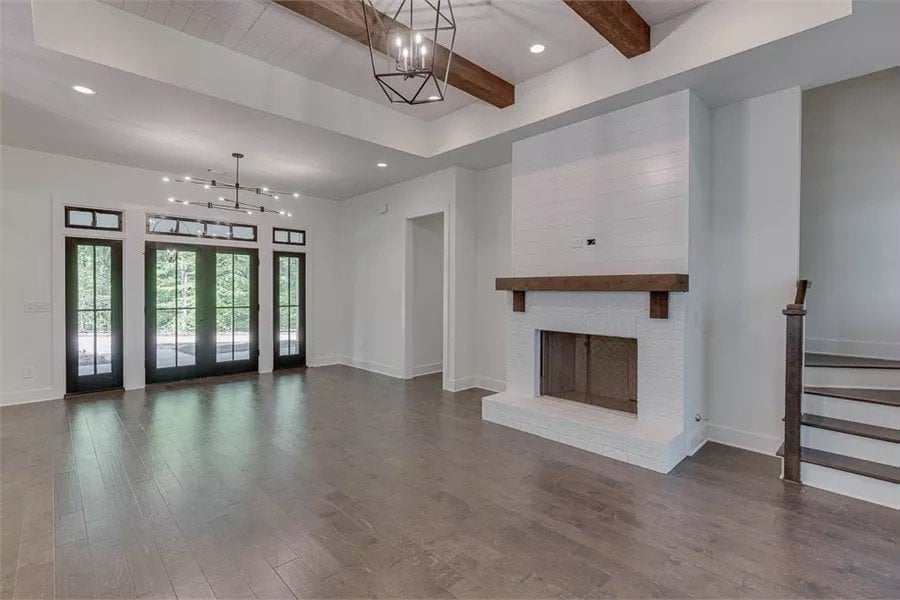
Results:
<point x="295" y="237"/>
<point x="187" y="227"/>
<point x="93" y="218"/>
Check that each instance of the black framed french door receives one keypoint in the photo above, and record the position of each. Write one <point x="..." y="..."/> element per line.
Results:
<point x="93" y="315"/>
<point x="289" y="296"/>
<point x="202" y="312"/>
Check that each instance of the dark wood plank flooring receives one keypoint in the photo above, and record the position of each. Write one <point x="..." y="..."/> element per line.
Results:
<point x="340" y="483"/>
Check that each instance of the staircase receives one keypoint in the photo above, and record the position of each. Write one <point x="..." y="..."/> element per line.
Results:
<point x="842" y="419"/>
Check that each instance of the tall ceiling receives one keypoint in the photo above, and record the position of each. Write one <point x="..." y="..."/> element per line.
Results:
<point x="495" y="34"/>
<point x="182" y="101"/>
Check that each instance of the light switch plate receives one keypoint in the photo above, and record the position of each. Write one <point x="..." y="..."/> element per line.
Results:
<point x="575" y="243"/>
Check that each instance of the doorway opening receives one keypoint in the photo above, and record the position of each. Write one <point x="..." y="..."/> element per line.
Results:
<point x="425" y="295"/>
<point x="202" y="311"/>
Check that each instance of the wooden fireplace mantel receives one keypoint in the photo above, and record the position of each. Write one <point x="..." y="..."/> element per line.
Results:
<point x="658" y="285"/>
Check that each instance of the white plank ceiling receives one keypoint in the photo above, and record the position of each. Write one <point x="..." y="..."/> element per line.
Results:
<point x="496" y="34"/>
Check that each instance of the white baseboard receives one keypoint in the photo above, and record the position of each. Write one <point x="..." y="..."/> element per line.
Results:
<point x="323" y="361"/>
<point x="698" y="439"/>
<point x="747" y="440"/>
<point x="854" y="348"/>
<point x="428" y="369"/>
<point x="374" y="367"/>
<point x="458" y="385"/>
<point x="486" y="383"/>
<point x="28" y="396"/>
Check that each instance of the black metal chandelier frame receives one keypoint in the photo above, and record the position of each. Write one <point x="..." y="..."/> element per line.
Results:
<point x="232" y="204"/>
<point x="388" y="27"/>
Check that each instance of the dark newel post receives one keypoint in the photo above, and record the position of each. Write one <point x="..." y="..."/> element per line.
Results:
<point x="793" y="390"/>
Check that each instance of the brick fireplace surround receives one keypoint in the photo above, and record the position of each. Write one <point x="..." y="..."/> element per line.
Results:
<point x="634" y="182"/>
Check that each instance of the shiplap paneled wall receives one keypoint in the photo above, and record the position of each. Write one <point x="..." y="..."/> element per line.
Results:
<point x="621" y="178"/>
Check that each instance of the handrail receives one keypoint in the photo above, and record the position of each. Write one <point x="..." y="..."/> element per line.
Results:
<point x="800" y="296"/>
<point x="793" y="381"/>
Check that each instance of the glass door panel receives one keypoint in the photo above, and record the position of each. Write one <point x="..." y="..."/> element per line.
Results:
<point x="204" y="315"/>
<point x="93" y="315"/>
<point x="290" y="285"/>
<point x="235" y="300"/>
<point x="176" y="307"/>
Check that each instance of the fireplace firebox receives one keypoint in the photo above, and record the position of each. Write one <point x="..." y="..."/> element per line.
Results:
<point x="594" y="369"/>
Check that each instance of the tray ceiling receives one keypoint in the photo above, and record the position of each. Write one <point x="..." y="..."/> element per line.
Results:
<point x="496" y="34"/>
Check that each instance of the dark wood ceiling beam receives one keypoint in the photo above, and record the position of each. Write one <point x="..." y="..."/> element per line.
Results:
<point x="347" y="18"/>
<point x="618" y="22"/>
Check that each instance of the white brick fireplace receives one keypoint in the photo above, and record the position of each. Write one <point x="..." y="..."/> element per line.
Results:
<point x="634" y="181"/>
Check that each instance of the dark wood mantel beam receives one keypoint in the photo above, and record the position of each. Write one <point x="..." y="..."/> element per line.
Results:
<point x="659" y="285"/>
<point x="618" y="22"/>
<point x="347" y="18"/>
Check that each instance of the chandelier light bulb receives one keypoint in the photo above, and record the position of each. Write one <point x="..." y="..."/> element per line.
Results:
<point x="205" y="186"/>
<point x="187" y="177"/>
<point x="265" y="189"/>
<point x="249" y="212"/>
<point x="221" y="199"/>
<point x="276" y="197"/>
<point x="171" y="199"/>
<point x="399" y="42"/>
<point x="185" y="202"/>
<point x="296" y="195"/>
<point x="166" y="179"/>
<point x="418" y="38"/>
<point x="290" y="215"/>
<point x="280" y="212"/>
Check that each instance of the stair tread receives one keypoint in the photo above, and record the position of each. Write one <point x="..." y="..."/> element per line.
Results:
<point x="888" y="397"/>
<point x="813" y="359"/>
<point x="851" y="465"/>
<point x="875" y="432"/>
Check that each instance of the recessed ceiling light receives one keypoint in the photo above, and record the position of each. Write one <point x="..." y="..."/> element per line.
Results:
<point x="381" y="165"/>
<point x="537" y="48"/>
<point x="82" y="89"/>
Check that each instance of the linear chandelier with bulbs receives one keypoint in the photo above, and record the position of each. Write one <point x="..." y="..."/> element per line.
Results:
<point x="233" y="204"/>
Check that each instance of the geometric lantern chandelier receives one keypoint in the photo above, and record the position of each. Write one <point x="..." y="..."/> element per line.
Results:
<point x="411" y="50"/>
<point x="224" y="202"/>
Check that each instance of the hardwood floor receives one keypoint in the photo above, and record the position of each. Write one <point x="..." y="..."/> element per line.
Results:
<point x="340" y="483"/>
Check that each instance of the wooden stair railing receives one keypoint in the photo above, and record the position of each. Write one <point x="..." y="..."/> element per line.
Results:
<point x="793" y="381"/>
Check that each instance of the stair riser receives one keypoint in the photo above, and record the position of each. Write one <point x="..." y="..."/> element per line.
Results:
<point x="844" y="377"/>
<point x="850" y="445"/>
<point x="852" y="410"/>
<point x="850" y="484"/>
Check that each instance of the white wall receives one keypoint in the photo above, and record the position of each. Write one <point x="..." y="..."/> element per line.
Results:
<point x="377" y="256"/>
<point x="755" y="223"/>
<point x="35" y="188"/>
<point x="850" y="215"/>
<point x="620" y="178"/>
<point x="427" y="293"/>
<point x="493" y="221"/>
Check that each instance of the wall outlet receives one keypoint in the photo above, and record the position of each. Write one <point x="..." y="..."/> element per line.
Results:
<point x="37" y="307"/>
<point x="575" y="243"/>
<point x="27" y="372"/>
<point x="590" y="242"/>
